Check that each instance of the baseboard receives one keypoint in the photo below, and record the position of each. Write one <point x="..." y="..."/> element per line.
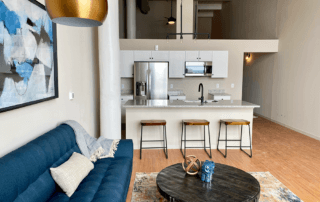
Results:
<point x="287" y="126"/>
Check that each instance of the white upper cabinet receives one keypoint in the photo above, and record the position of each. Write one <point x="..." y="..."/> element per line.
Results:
<point x="192" y="56"/>
<point x="177" y="61"/>
<point x="160" y="56"/>
<point x="195" y="56"/>
<point x="157" y="56"/>
<point x="220" y="64"/>
<point x="126" y="64"/>
<point x="205" y="56"/>
<point x="142" y="56"/>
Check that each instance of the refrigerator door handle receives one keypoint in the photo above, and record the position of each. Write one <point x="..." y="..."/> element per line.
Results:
<point x="149" y="84"/>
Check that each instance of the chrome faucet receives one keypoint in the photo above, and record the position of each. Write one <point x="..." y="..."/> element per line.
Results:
<point x="201" y="98"/>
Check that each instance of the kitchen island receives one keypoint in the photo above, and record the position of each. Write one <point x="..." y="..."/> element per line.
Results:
<point x="174" y="111"/>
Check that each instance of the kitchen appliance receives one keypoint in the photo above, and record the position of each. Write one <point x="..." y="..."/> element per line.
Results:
<point x="151" y="80"/>
<point x="198" y="69"/>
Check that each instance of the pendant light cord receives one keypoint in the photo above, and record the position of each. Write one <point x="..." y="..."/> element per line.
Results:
<point x="181" y="22"/>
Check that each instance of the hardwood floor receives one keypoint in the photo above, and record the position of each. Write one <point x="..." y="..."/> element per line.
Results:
<point x="291" y="157"/>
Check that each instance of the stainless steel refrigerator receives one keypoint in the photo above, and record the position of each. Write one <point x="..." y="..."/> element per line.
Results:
<point x="151" y="80"/>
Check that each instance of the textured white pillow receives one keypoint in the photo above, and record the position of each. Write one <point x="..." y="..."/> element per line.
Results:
<point x="70" y="174"/>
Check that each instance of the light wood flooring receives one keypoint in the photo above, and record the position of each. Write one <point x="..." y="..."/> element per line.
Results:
<point x="291" y="157"/>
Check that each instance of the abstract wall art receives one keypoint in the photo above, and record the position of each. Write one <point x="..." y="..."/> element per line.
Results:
<point x="28" y="56"/>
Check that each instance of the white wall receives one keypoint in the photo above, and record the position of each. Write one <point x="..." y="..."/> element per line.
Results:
<point x="295" y="74"/>
<point x="249" y="19"/>
<point x="78" y="72"/>
<point x="296" y="97"/>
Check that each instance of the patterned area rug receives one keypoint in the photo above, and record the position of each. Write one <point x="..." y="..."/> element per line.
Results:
<point x="145" y="189"/>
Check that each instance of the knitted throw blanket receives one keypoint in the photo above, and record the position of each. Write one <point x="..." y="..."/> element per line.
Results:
<point x="91" y="147"/>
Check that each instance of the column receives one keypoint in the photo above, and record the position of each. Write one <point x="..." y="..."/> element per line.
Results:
<point x="109" y="56"/>
<point x="131" y="19"/>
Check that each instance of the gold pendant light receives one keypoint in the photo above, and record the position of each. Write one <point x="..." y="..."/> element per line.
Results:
<point x="78" y="13"/>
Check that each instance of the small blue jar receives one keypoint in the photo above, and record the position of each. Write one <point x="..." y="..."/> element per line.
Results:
<point x="207" y="170"/>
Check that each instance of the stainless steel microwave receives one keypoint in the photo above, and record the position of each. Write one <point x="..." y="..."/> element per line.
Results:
<point x="198" y="69"/>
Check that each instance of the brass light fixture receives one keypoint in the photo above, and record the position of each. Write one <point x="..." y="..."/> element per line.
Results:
<point x="78" y="13"/>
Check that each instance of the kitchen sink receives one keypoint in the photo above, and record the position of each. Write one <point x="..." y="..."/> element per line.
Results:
<point x="195" y="101"/>
<point x="198" y="101"/>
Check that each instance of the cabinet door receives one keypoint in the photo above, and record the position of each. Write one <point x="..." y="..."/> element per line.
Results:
<point x="177" y="61"/>
<point x="126" y="64"/>
<point x="205" y="56"/>
<point x="142" y="55"/>
<point x="192" y="56"/>
<point x="160" y="56"/>
<point x="220" y="64"/>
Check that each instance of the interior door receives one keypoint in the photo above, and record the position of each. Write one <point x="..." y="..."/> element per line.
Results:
<point x="158" y="80"/>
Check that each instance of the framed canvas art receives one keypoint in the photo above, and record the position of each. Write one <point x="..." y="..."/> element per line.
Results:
<point x="28" y="54"/>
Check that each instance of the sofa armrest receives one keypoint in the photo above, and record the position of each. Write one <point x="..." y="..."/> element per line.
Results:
<point x="125" y="149"/>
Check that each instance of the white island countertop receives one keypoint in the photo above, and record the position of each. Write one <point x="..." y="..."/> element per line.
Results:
<point x="188" y="104"/>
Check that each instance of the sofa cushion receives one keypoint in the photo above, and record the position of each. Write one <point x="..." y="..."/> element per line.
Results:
<point x="71" y="173"/>
<point x="25" y="174"/>
<point x="108" y="181"/>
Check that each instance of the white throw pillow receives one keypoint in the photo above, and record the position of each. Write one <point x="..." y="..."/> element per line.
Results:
<point x="70" y="174"/>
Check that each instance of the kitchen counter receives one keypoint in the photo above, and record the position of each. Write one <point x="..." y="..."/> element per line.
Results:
<point x="188" y="104"/>
<point x="177" y="110"/>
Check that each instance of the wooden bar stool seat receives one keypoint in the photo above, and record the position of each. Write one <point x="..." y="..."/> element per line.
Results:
<point x="234" y="122"/>
<point x="194" y="122"/>
<point x="237" y="122"/>
<point x="164" y="140"/>
<point x="153" y="122"/>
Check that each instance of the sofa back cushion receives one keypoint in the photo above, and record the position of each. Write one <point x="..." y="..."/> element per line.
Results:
<point x="25" y="172"/>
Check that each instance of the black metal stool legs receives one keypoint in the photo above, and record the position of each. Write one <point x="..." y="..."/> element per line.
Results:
<point x="226" y="142"/>
<point x="164" y="140"/>
<point x="165" y="149"/>
<point x="184" y="141"/>
<point x="205" y="148"/>
<point x="181" y="141"/>
<point x="141" y="142"/>
<point x="224" y="155"/>
<point x="249" y="141"/>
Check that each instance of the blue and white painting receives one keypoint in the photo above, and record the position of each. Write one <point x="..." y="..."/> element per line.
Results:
<point x="27" y="54"/>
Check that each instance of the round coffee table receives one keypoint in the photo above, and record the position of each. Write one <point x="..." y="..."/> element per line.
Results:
<point x="228" y="184"/>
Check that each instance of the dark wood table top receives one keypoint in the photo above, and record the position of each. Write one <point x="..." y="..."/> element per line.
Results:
<point x="228" y="184"/>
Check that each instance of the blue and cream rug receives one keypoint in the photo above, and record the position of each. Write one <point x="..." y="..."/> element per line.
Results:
<point x="145" y="189"/>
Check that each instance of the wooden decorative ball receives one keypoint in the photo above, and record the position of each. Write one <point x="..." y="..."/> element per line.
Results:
<point x="191" y="165"/>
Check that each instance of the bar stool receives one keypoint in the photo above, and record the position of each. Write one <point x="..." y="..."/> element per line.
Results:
<point x="155" y="123"/>
<point x="235" y="122"/>
<point x="194" y="122"/>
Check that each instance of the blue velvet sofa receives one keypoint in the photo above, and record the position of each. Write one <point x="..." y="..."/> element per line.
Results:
<point x="25" y="173"/>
